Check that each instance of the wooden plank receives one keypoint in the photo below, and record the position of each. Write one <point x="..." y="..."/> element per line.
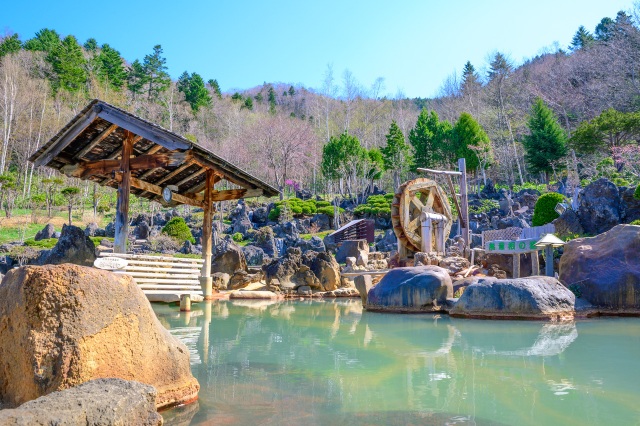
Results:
<point x="232" y="194"/>
<point x="142" y="256"/>
<point x="455" y="200"/>
<point x="438" y="172"/>
<point x="227" y="174"/>
<point x="155" y="189"/>
<point x="191" y="176"/>
<point x="169" y="270"/>
<point x="68" y="137"/>
<point x="167" y="287"/>
<point x="135" y="125"/>
<point x="118" y="151"/>
<point x="207" y="223"/>
<point x="163" y="280"/>
<point x="464" y="221"/>
<point x="102" y="136"/>
<point x="176" y="292"/>
<point x="124" y="190"/>
<point x="176" y="172"/>
<point x="160" y="275"/>
<point x="89" y="168"/>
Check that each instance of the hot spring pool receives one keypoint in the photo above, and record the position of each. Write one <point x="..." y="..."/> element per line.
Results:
<point x="331" y="363"/>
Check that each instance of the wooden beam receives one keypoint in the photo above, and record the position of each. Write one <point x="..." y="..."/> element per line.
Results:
<point x="72" y="132"/>
<point x="191" y="176"/>
<point x="200" y="187"/>
<point x="102" y="136"/>
<point x="155" y="189"/>
<point x="176" y="172"/>
<point x="144" y="129"/>
<point x="152" y="150"/>
<point x="124" y="189"/>
<point x="118" y="151"/>
<point x="232" y="194"/>
<point x="439" y="172"/>
<point x="455" y="200"/>
<point x="89" y="168"/>
<point x="228" y="175"/>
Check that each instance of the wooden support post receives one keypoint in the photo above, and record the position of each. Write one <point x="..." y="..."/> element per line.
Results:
<point x="516" y="265"/>
<point x="548" y="258"/>
<point x="122" y="204"/>
<point x="464" y="207"/>
<point x="535" y="263"/>
<point x="207" y="232"/>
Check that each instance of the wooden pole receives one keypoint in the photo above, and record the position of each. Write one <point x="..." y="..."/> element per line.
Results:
<point x="122" y="204"/>
<point x="462" y="166"/>
<point x="548" y="258"/>
<point x="207" y="234"/>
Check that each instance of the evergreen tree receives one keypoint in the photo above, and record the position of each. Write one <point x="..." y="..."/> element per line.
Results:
<point x="110" y="68"/>
<point x="91" y="45"/>
<point x="396" y="154"/>
<point x="608" y="130"/>
<point x="136" y="78"/>
<point x="155" y="69"/>
<point x="292" y="91"/>
<point x="248" y="103"/>
<point x="581" y="39"/>
<point x="195" y="92"/>
<point x="9" y="45"/>
<point x="499" y="67"/>
<point x="470" y="142"/>
<point x="470" y="79"/>
<point x="546" y="142"/>
<point x="258" y="97"/>
<point x="429" y="139"/>
<point x="215" y="87"/>
<point x="272" y="100"/>
<point x="44" y="41"/>
<point x="604" y="29"/>
<point x="68" y="66"/>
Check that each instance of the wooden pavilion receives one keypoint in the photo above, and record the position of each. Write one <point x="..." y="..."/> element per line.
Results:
<point x="112" y="147"/>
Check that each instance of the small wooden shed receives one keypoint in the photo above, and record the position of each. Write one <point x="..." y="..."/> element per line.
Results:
<point x="115" y="148"/>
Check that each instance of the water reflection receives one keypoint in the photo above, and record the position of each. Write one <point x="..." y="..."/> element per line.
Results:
<point x="328" y="362"/>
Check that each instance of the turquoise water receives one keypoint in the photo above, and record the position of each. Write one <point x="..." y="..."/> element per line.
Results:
<point x="331" y="363"/>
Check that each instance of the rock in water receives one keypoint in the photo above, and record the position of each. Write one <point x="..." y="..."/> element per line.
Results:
<point x="72" y="247"/>
<point x="518" y="298"/>
<point x="416" y="289"/>
<point x="63" y="325"/>
<point x="97" y="402"/>
<point x="605" y="269"/>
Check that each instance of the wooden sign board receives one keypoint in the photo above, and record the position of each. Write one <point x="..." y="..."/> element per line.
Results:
<point x="511" y="247"/>
<point x="110" y="263"/>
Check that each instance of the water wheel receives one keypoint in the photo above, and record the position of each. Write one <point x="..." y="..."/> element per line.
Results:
<point x="408" y="203"/>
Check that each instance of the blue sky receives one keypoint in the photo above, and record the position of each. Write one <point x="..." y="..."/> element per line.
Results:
<point x="413" y="45"/>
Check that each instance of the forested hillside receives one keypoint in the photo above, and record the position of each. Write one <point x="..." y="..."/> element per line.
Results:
<point x="570" y="113"/>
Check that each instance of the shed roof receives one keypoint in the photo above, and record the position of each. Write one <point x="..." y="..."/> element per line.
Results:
<point x="90" y="144"/>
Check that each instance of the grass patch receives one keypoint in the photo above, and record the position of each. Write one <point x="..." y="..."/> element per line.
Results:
<point x="47" y="243"/>
<point x="320" y="235"/>
<point x="188" y="256"/>
<point x="98" y="240"/>
<point x="10" y="233"/>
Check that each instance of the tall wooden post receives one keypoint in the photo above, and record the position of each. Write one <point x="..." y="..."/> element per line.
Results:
<point x="122" y="204"/>
<point x="464" y="205"/>
<point x="206" y="282"/>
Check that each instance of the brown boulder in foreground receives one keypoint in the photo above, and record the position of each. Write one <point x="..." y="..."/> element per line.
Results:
<point x="63" y="325"/>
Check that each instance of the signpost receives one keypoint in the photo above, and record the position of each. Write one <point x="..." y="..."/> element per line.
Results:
<point x="516" y="248"/>
<point x="110" y="263"/>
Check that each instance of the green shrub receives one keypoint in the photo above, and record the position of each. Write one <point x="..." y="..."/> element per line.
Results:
<point x="177" y="228"/>
<point x="329" y="210"/>
<point x="43" y="244"/>
<point x="635" y="222"/>
<point x="486" y="206"/>
<point x="544" y="210"/>
<point x="296" y="206"/>
<point x="237" y="237"/>
<point x="636" y="193"/>
<point x="376" y="205"/>
<point x="322" y="204"/>
<point x="98" y="240"/>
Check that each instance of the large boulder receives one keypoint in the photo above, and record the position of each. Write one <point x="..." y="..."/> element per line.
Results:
<point x="518" y="298"/>
<point x="568" y="224"/>
<point x="73" y="246"/>
<point x="93" y="230"/>
<point x="351" y="248"/>
<point x="413" y="289"/>
<point x="63" y="325"/>
<point x="605" y="269"/>
<point x="45" y="233"/>
<point x="254" y="255"/>
<point x="260" y="216"/>
<point x="97" y="402"/>
<point x="600" y="207"/>
<point x="265" y="240"/>
<point x="228" y="258"/>
<point x="630" y="203"/>
<point x="143" y="230"/>
<point x="504" y="262"/>
<point x="324" y="267"/>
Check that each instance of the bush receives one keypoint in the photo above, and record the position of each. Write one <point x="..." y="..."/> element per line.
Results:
<point x="636" y="193"/>
<point x="635" y="222"/>
<point x="544" y="210"/>
<point x="376" y="205"/>
<point x="43" y="244"/>
<point x="296" y="206"/>
<point x="329" y="210"/>
<point x="98" y="240"/>
<point x="322" y="204"/>
<point x="177" y="228"/>
<point x="237" y="237"/>
<point x="486" y="206"/>
<point x="164" y="244"/>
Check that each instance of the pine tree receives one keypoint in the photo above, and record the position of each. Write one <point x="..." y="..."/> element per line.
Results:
<point x="470" y="142"/>
<point x="547" y="141"/>
<point x="44" y="41"/>
<point x="499" y="67"/>
<point x="10" y="44"/>
<point x="111" y="67"/>
<point x="215" y="87"/>
<point x="292" y="91"/>
<point x="136" y="78"/>
<point x="470" y="78"/>
<point x="396" y="154"/>
<point x="430" y="140"/>
<point x="155" y="68"/>
<point x="68" y="66"/>
<point x="91" y="45"/>
<point x="581" y="39"/>
<point x="604" y="29"/>
<point x="248" y="103"/>
<point x="195" y="92"/>
<point x="272" y="100"/>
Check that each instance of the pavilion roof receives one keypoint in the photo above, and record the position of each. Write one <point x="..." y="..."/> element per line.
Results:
<point x="90" y="145"/>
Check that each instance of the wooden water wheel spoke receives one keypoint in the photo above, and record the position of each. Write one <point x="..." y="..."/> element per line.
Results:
<point x="410" y="200"/>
